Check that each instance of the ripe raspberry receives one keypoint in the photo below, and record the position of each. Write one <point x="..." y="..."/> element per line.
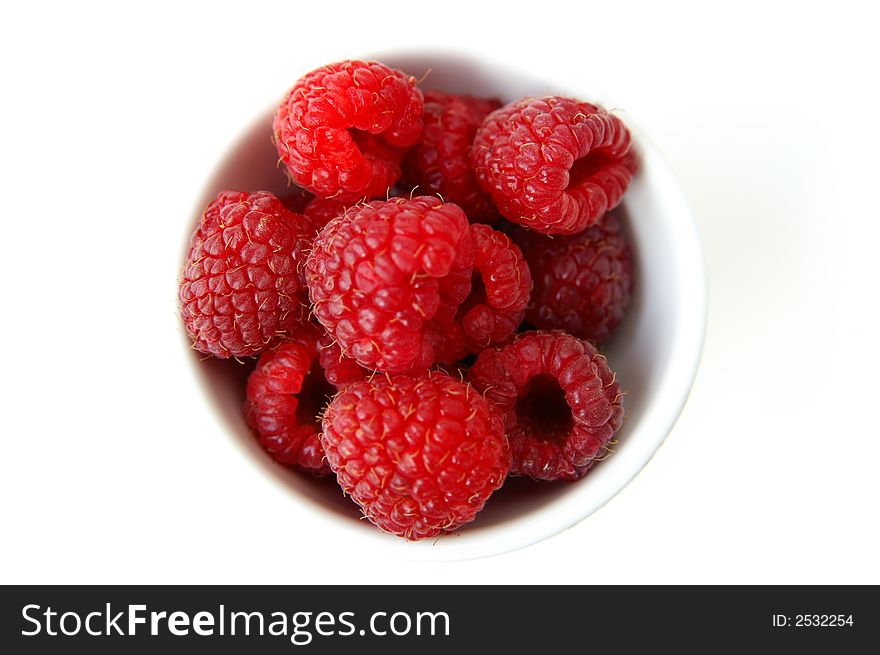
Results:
<point x="420" y="455"/>
<point x="321" y="211"/>
<point x="343" y="129"/>
<point x="553" y="164"/>
<point x="583" y="282"/>
<point x="286" y="394"/>
<point x="339" y="370"/>
<point x="499" y="294"/>
<point x="560" y="402"/>
<point x="241" y="288"/>
<point x="387" y="277"/>
<point x="439" y="164"/>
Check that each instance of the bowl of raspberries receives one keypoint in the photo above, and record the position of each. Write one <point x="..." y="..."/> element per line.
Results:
<point x="461" y="303"/>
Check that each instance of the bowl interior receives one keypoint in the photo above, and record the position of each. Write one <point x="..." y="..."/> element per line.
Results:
<point x="654" y="352"/>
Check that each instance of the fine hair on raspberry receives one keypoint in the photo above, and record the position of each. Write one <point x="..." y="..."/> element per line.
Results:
<point x="420" y="455"/>
<point x="386" y="279"/>
<point x="286" y="394"/>
<point x="496" y="305"/>
<point x="242" y="287"/>
<point x="344" y="128"/>
<point x="560" y="401"/>
<point x="321" y="211"/>
<point x="583" y="282"/>
<point x="440" y="163"/>
<point x="553" y="164"/>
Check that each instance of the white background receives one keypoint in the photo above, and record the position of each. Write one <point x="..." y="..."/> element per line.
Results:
<point x="113" y="117"/>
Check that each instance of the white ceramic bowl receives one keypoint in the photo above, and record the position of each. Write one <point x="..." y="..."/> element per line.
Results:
<point x="655" y="352"/>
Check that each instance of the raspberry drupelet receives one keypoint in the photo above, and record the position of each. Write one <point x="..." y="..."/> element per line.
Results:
<point x="560" y="402"/>
<point x="420" y="455"/>
<point x="241" y="288"/>
<point x="440" y="163"/>
<point x="339" y="370"/>
<point x="386" y="279"/>
<point x="554" y="165"/>
<point x="287" y="392"/>
<point x="343" y="129"/>
<point x="321" y="211"/>
<point x="583" y="282"/>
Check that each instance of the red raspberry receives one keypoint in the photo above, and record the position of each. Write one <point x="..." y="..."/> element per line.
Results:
<point x="241" y="288"/>
<point x="439" y="164"/>
<point x="420" y="455"/>
<point x="343" y="128"/>
<point x="321" y="211"/>
<point x="553" y="164"/>
<point x="286" y="394"/>
<point x="560" y="402"/>
<point x="339" y="370"/>
<point x="583" y="282"/>
<point x="499" y="294"/>
<point x="387" y="277"/>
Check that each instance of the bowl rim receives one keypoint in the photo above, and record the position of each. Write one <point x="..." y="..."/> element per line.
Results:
<point x="677" y="378"/>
